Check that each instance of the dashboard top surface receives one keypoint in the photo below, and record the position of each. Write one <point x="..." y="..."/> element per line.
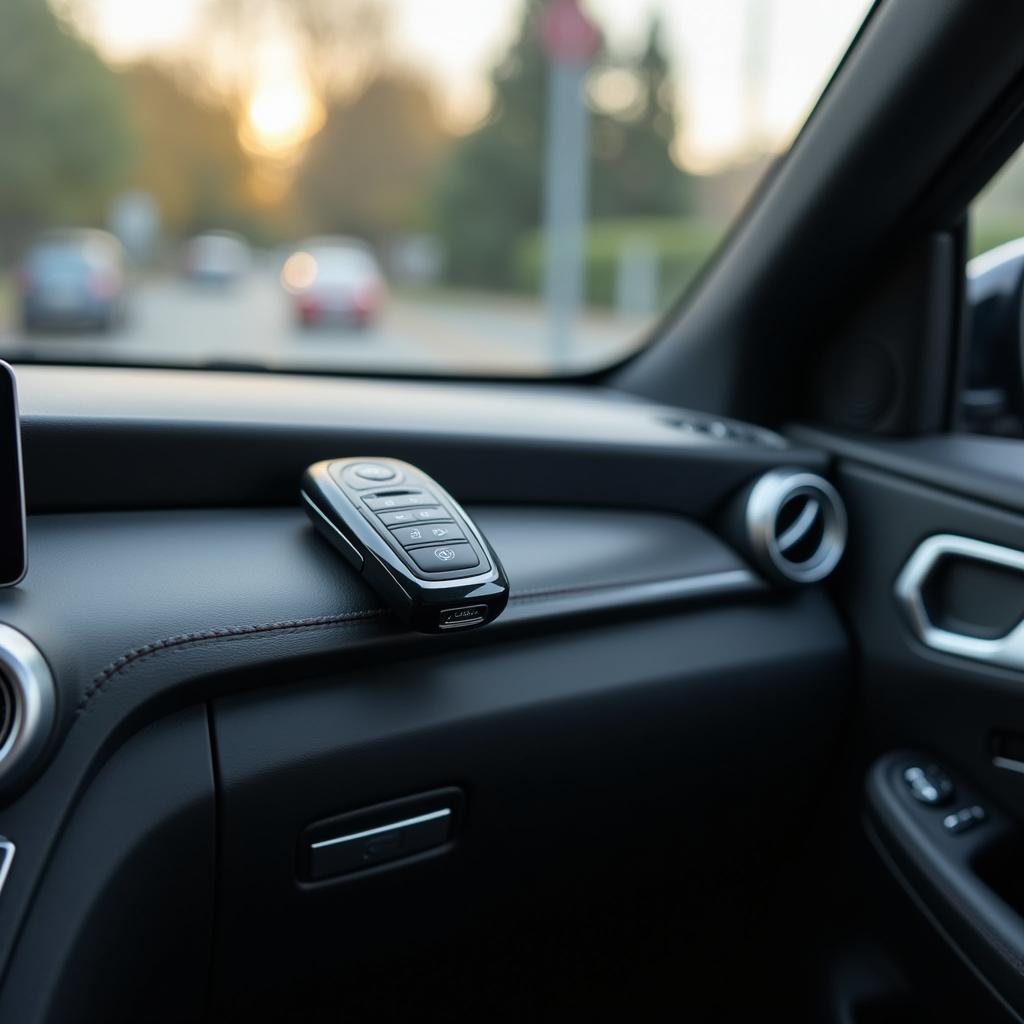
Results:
<point x="569" y="412"/>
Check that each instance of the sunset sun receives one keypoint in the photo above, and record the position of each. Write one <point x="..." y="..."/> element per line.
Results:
<point x="280" y="116"/>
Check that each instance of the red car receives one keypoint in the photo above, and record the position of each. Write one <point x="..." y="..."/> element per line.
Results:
<point x="334" y="280"/>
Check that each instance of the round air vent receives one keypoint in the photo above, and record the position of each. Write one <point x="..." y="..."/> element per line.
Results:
<point x="8" y="711"/>
<point x="27" y="705"/>
<point x="795" y="525"/>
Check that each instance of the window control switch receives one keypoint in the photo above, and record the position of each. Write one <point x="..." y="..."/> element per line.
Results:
<point x="928" y="784"/>
<point x="967" y="817"/>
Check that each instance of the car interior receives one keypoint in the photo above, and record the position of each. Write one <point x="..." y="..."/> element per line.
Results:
<point x="711" y="710"/>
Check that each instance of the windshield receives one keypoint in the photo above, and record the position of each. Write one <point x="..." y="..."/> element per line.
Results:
<point x="516" y="187"/>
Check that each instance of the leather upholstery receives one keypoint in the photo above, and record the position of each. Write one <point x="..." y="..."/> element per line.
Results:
<point x="170" y="596"/>
<point x="141" y="613"/>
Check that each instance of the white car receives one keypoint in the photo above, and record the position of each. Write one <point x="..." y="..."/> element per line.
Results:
<point x="217" y="258"/>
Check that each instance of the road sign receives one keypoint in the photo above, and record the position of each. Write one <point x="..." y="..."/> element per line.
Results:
<point x="569" y="36"/>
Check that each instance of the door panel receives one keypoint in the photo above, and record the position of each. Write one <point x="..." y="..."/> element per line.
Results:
<point x="915" y="696"/>
<point x="931" y="584"/>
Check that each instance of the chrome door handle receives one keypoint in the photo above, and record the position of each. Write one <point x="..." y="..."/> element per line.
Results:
<point x="1006" y="651"/>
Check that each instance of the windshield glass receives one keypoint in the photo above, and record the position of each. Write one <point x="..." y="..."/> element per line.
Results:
<point x="516" y="187"/>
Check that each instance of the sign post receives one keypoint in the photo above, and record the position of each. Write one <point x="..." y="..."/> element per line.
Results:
<point x="135" y="218"/>
<point x="571" y="41"/>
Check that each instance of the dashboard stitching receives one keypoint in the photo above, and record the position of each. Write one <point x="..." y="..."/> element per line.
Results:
<point x="130" y="658"/>
<point x="134" y="656"/>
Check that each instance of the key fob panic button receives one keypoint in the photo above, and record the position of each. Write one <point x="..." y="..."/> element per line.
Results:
<point x="445" y="557"/>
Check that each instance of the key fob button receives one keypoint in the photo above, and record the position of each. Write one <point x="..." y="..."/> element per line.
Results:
<point x="427" y="533"/>
<point x="381" y="503"/>
<point x="363" y="476"/>
<point x="444" y="558"/>
<point x="375" y="471"/>
<point x="413" y="515"/>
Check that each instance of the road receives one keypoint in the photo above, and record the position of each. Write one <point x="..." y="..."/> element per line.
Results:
<point x="172" y="321"/>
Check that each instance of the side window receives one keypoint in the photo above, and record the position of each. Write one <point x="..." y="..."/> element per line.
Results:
<point x="993" y="395"/>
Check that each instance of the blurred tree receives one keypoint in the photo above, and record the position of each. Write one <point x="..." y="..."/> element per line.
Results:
<point x="341" y="43"/>
<point x="634" y="173"/>
<point x="338" y="43"/>
<point x="368" y="170"/>
<point x="491" y="191"/>
<point x="66" y="136"/>
<point x="190" y="159"/>
<point x="491" y="194"/>
<point x="335" y="49"/>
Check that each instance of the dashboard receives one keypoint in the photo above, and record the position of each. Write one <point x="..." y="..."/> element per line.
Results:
<point x="222" y="682"/>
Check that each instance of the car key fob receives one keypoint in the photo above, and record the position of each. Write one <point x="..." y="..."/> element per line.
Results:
<point x="410" y="539"/>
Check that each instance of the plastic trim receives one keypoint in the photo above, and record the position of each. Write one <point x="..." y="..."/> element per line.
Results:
<point x="7" y="850"/>
<point x="1005" y="651"/>
<point x="420" y="819"/>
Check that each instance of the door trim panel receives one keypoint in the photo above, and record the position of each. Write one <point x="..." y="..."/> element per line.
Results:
<point x="1006" y="651"/>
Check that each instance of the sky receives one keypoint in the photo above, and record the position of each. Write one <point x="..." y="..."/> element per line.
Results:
<point x="748" y="71"/>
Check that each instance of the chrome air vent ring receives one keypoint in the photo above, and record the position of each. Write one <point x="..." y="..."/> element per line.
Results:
<point x="796" y="525"/>
<point x="27" y="705"/>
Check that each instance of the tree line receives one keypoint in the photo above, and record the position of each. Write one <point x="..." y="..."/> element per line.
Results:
<point x="76" y="132"/>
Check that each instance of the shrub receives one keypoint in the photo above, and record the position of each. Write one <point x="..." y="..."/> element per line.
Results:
<point x="680" y="247"/>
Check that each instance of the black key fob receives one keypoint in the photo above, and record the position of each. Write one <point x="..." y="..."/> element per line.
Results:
<point x="410" y="539"/>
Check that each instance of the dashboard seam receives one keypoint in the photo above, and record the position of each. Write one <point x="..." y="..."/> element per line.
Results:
<point x="125" y="661"/>
<point x="178" y="642"/>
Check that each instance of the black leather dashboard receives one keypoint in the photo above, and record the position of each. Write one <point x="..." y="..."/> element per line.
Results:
<point x="142" y="612"/>
<point x="171" y="572"/>
<point x="130" y="603"/>
<point x="186" y="439"/>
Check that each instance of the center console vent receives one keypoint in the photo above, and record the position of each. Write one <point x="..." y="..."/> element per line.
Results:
<point x="27" y="706"/>
<point x="8" y="711"/>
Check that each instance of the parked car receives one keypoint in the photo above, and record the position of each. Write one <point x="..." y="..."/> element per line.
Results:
<point x="217" y="258"/>
<point x="73" y="278"/>
<point x="334" y="280"/>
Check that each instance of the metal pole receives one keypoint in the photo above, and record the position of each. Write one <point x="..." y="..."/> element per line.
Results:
<point x="565" y="205"/>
